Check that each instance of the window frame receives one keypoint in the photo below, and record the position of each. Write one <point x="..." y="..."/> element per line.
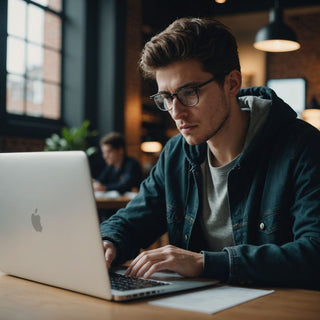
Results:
<point x="26" y="125"/>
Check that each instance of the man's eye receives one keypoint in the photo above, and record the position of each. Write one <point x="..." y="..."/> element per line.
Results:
<point x="188" y="92"/>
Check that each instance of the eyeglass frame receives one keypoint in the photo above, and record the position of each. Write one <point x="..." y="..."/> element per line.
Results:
<point x="172" y="95"/>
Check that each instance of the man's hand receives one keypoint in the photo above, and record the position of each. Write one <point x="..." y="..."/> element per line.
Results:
<point x="109" y="252"/>
<point x="183" y="262"/>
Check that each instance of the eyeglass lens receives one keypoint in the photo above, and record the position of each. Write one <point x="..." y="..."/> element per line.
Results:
<point x="187" y="96"/>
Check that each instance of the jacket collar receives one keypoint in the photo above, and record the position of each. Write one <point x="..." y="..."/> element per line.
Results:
<point x="279" y="115"/>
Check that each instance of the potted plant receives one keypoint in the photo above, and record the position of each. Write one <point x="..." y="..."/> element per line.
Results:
<point x="75" y="138"/>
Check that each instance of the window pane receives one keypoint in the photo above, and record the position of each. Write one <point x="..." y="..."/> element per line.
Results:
<point x="34" y="58"/>
<point x="52" y="66"/>
<point x="51" y="104"/>
<point x="34" y="98"/>
<point x="43" y="99"/>
<point x="35" y="24"/>
<point x="35" y="61"/>
<point x="42" y="2"/>
<point x="17" y="12"/>
<point x="15" y="56"/>
<point x="52" y="31"/>
<point x="55" y="5"/>
<point x="15" y="94"/>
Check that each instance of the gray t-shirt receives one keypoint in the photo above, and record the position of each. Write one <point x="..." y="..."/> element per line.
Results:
<point x="215" y="218"/>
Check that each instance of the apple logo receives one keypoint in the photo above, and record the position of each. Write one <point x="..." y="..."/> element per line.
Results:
<point x="35" y="219"/>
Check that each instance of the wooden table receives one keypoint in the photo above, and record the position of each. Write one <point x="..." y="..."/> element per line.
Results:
<point x="112" y="204"/>
<point x="22" y="299"/>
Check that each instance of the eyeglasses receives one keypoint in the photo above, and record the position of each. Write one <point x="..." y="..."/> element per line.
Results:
<point x="187" y="96"/>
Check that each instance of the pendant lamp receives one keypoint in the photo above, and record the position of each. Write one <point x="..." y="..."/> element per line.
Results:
<point x="276" y="36"/>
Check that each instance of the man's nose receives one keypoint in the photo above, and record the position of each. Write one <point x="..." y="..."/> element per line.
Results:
<point x="178" y="109"/>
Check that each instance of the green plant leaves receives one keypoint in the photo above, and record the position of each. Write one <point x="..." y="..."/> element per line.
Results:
<point x="75" y="138"/>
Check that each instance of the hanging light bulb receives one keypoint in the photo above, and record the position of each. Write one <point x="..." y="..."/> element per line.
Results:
<point x="276" y="36"/>
<point x="151" y="146"/>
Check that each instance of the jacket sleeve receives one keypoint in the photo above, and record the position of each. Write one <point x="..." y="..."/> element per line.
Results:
<point x="143" y="220"/>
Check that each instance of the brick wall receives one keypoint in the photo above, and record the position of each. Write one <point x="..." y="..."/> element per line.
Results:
<point x="17" y="144"/>
<point x="303" y="63"/>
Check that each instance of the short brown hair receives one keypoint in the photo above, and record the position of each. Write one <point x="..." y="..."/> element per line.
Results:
<point x="115" y="139"/>
<point x="207" y="40"/>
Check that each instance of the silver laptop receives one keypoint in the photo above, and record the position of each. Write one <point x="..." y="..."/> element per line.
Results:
<point x="49" y="227"/>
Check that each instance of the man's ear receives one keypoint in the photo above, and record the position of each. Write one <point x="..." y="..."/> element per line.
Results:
<point x="234" y="81"/>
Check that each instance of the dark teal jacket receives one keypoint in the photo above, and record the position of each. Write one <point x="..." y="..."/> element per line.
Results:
<point x="274" y="200"/>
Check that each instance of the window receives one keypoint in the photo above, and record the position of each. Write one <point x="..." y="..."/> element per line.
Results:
<point x="292" y="91"/>
<point x="34" y="58"/>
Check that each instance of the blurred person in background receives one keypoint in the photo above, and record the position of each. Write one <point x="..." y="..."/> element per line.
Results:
<point x="121" y="172"/>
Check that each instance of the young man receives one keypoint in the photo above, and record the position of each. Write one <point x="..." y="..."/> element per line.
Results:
<point x="121" y="173"/>
<point x="238" y="190"/>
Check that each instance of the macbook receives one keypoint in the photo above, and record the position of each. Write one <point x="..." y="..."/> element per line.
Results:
<point x="49" y="229"/>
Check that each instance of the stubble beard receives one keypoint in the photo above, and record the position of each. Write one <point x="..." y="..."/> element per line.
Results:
<point x="191" y="141"/>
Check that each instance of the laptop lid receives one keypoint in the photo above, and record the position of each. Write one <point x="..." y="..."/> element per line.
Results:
<point x="48" y="222"/>
<point x="49" y="226"/>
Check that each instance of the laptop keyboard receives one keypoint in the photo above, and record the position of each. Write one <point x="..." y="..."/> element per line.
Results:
<point x="123" y="282"/>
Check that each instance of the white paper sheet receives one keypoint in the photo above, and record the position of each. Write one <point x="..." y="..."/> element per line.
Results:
<point x="211" y="300"/>
<point x="113" y="194"/>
